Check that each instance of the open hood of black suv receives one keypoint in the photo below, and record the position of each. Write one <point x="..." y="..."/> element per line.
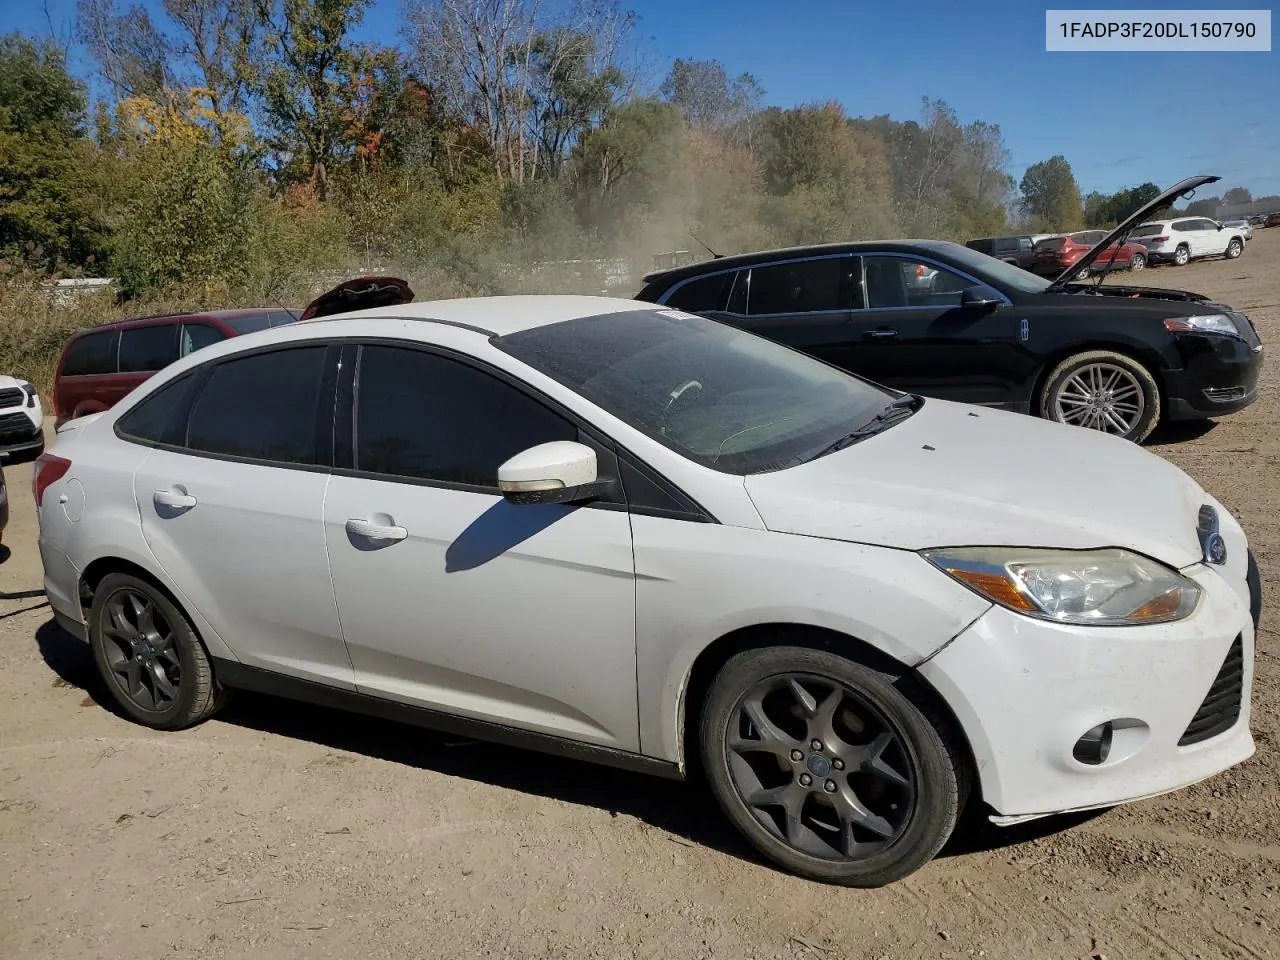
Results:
<point x="360" y="293"/>
<point x="1179" y="189"/>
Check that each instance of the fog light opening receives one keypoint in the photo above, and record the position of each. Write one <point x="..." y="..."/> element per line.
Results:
<point x="1095" y="746"/>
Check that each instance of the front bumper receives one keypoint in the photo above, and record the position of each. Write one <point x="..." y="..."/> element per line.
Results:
<point x="20" y="431"/>
<point x="1026" y="690"/>
<point x="1219" y="376"/>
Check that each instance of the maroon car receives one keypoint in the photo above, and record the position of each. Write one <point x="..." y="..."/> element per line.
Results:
<point x="1054" y="256"/>
<point x="100" y="365"/>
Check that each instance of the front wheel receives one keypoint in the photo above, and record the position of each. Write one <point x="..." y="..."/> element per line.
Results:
<point x="829" y="768"/>
<point x="1234" y="249"/>
<point x="1102" y="390"/>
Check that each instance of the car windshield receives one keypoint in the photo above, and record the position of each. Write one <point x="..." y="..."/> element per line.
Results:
<point x="721" y="397"/>
<point x="1147" y="230"/>
<point x="995" y="272"/>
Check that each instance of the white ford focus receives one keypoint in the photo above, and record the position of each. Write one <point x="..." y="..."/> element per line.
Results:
<point x="647" y="539"/>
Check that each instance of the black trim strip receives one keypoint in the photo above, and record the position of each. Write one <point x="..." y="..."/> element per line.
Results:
<point x="230" y="673"/>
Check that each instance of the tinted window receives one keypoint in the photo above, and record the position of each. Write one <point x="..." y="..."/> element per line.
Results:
<point x="800" y="287"/>
<point x="197" y="335"/>
<point x="161" y="416"/>
<point x="902" y="282"/>
<point x="1148" y="230"/>
<point x="426" y="416"/>
<point x="719" y="396"/>
<point x="262" y="406"/>
<point x="1024" y="243"/>
<point x="91" y="353"/>
<point x="703" y="294"/>
<point x="1184" y="225"/>
<point x="148" y="348"/>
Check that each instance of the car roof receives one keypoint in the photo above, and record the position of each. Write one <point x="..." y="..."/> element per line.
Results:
<point x="491" y="316"/>
<point x="817" y="250"/>
<point x="159" y="318"/>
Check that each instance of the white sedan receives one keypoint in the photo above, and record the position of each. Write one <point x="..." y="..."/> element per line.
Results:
<point x="648" y="539"/>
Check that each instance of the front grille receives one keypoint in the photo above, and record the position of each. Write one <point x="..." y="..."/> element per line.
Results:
<point x="12" y="397"/>
<point x="15" y="427"/>
<point x="1221" y="707"/>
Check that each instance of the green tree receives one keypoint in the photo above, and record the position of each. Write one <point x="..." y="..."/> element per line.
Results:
<point x="1050" y="196"/>
<point x="1237" y="195"/>
<point x="46" y="207"/>
<point x="708" y="97"/>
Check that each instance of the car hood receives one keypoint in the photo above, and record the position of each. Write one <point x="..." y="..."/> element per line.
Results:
<point x="955" y="475"/>
<point x="7" y="381"/>
<point x="1179" y="189"/>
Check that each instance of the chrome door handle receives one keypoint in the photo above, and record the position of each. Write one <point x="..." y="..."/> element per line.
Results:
<point x="880" y="334"/>
<point x="375" y="531"/>
<point x="168" y="498"/>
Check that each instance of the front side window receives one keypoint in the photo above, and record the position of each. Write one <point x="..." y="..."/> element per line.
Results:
<point x="424" y="416"/>
<point x="197" y="335"/>
<point x="263" y="406"/>
<point x="145" y="349"/>
<point x="803" y="286"/>
<point x="1182" y="226"/>
<point x="92" y="353"/>
<point x="903" y="282"/>
<point x="717" y="395"/>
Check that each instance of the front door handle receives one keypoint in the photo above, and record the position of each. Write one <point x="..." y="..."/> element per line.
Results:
<point x="881" y="334"/>
<point x="173" y="499"/>
<point x="375" y="531"/>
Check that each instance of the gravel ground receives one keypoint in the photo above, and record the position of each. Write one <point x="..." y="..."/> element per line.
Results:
<point x="284" y="831"/>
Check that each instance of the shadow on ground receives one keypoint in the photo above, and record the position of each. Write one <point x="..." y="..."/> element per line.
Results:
<point x="1179" y="431"/>
<point x="685" y="810"/>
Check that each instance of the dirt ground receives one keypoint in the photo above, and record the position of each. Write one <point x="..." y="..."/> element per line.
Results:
<point x="282" y="831"/>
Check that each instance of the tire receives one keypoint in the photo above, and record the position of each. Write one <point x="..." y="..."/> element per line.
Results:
<point x="1059" y="401"/>
<point x="1082" y="275"/>
<point x="1138" y="262"/>
<point x="1234" y="249"/>
<point x="1182" y="256"/>
<point x="166" y="646"/>
<point x="907" y="783"/>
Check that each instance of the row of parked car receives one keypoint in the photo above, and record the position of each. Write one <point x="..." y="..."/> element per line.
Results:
<point x="640" y="534"/>
<point x="1177" y="241"/>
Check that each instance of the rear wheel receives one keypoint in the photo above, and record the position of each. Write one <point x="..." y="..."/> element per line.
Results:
<point x="830" y="768"/>
<point x="1182" y="256"/>
<point x="1139" y="262"/>
<point x="149" y="655"/>
<point x="1102" y="390"/>
<point x="1234" y="248"/>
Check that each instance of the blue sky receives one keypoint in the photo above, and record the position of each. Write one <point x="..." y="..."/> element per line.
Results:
<point x="1120" y="118"/>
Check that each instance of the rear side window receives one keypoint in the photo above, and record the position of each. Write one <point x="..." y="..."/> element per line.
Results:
<point x="148" y="348"/>
<point x="1149" y="230"/>
<point x="428" y="417"/>
<point x="253" y="322"/>
<point x="197" y="335"/>
<point x="91" y="353"/>
<point x="262" y="406"/>
<point x="160" y="418"/>
<point x="803" y="286"/>
<point x="1055" y="244"/>
<point x="1182" y="226"/>
<point x="702" y="294"/>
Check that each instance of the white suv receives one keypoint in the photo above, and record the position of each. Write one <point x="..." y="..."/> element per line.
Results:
<point x="1180" y="241"/>
<point x="21" y="419"/>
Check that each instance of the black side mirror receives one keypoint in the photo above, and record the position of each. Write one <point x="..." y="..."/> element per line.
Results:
<point x="979" y="298"/>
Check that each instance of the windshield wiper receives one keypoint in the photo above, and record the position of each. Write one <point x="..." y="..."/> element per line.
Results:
<point x="898" y="410"/>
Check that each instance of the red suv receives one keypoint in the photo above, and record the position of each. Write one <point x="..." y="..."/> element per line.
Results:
<point x="100" y="365"/>
<point x="1055" y="256"/>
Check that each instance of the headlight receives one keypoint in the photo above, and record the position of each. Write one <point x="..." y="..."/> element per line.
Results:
<point x="1208" y="323"/>
<point x="1099" y="587"/>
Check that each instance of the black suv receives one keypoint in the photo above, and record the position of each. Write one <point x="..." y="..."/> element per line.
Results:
<point x="946" y="321"/>
<point x="1015" y="250"/>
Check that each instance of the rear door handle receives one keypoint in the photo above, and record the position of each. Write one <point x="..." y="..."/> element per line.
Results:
<point x="375" y="531"/>
<point x="880" y="334"/>
<point x="173" y="499"/>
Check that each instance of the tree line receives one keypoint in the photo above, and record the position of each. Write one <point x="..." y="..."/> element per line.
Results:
<point x="243" y="145"/>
